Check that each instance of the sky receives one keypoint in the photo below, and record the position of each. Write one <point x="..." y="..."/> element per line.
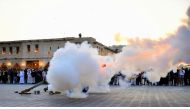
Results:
<point x="101" y="19"/>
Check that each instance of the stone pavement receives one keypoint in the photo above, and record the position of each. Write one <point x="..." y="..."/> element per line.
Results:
<point x="136" y="96"/>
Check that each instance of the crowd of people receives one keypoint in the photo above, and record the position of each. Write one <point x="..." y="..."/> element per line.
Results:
<point x="179" y="78"/>
<point x="22" y="76"/>
<point x="33" y="76"/>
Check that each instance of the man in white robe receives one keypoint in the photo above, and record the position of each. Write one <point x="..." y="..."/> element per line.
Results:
<point x="181" y="75"/>
<point x="29" y="77"/>
<point x="21" y="75"/>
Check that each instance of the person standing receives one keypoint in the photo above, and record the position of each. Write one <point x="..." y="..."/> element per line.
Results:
<point x="176" y="78"/>
<point x="18" y="76"/>
<point x="33" y="73"/>
<point x="29" y="76"/>
<point x="181" y="75"/>
<point x="25" y="76"/>
<point x="38" y="75"/>
<point x="188" y="76"/>
<point x="10" y="73"/>
<point x="44" y="73"/>
<point x="14" y="76"/>
<point x="144" y="79"/>
<point x="171" y="78"/>
<point x="0" y="76"/>
<point x="21" y="75"/>
<point x="4" y="76"/>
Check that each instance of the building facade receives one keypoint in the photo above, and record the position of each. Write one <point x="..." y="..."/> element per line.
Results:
<point x="117" y="48"/>
<point x="38" y="53"/>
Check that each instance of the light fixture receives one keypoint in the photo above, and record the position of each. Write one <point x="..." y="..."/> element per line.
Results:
<point x="23" y="64"/>
<point x="9" y="64"/>
<point x="41" y="64"/>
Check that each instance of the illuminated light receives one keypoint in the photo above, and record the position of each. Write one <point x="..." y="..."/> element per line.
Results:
<point x="41" y="64"/>
<point x="23" y="64"/>
<point x="9" y="64"/>
<point x="36" y="51"/>
<point x="183" y="64"/>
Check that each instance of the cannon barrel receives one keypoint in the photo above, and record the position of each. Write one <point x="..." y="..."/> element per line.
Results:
<point x="25" y="91"/>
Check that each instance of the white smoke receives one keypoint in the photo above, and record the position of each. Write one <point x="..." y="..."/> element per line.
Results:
<point x="137" y="58"/>
<point x="156" y="58"/>
<point x="124" y="82"/>
<point x="105" y="73"/>
<point x="73" y="68"/>
<point x="76" y="67"/>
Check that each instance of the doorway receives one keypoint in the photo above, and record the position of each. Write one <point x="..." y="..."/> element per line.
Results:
<point x="34" y="64"/>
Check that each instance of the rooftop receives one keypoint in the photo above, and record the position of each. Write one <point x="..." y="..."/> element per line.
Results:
<point x="50" y="39"/>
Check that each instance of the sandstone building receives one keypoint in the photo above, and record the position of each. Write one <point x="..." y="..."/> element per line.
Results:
<point x="37" y="53"/>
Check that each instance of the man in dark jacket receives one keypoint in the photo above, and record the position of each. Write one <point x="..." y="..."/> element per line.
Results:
<point x="33" y="73"/>
<point x="171" y="78"/>
<point x="25" y="76"/>
<point x="0" y="76"/>
<point x="4" y="76"/>
<point x="10" y="73"/>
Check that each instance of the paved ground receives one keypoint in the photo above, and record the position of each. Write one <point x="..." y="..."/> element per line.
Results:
<point x="140" y="96"/>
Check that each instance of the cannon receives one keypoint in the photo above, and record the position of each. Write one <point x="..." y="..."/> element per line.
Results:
<point x="26" y="91"/>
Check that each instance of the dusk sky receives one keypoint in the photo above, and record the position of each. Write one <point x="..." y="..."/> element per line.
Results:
<point x="101" y="19"/>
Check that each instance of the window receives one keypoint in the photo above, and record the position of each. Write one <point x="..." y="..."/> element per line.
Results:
<point x="4" y="50"/>
<point x="17" y="50"/>
<point x="77" y="42"/>
<point x="28" y="48"/>
<point x="97" y="47"/>
<point x="49" y="52"/>
<point x="36" y="48"/>
<point x="10" y="50"/>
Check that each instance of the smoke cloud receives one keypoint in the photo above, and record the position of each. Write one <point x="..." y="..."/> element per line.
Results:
<point x="73" y="68"/>
<point x="76" y="67"/>
<point x="157" y="58"/>
<point x="180" y="42"/>
<point x="105" y="73"/>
